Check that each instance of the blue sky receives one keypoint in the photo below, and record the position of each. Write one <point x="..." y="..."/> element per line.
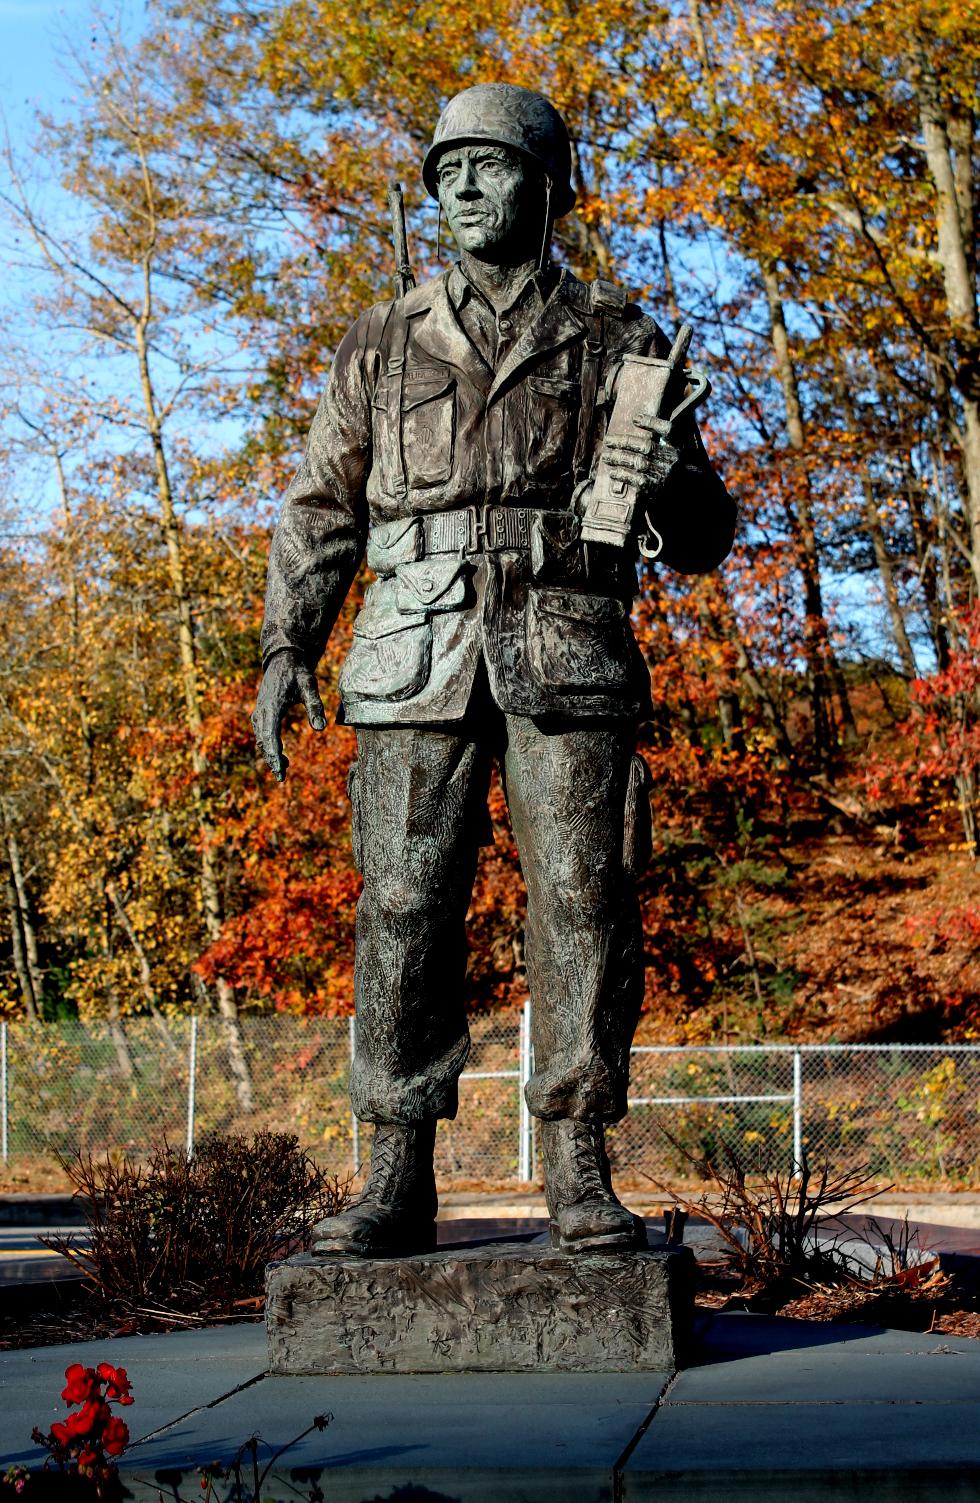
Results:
<point x="32" y="39"/>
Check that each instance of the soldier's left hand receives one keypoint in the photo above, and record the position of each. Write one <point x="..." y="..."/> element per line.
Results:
<point x="645" y="459"/>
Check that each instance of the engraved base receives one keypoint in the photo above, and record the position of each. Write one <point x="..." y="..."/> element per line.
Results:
<point x="508" y="1307"/>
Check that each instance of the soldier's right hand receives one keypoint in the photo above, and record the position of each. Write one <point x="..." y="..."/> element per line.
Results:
<point x="287" y="681"/>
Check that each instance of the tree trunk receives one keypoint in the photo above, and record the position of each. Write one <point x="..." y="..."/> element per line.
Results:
<point x="953" y="183"/>
<point x="884" y="560"/>
<point x="210" y="887"/>
<point x="74" y="622"/>
<point x="925" y="545"/>
<point x="752" y="681"/>
<point x="823" y="669"/>
<point x="17" y="946"/>
<point x="26" y="922"/>
<point x="143" y="961"/>
<point x="117" y="1032"/>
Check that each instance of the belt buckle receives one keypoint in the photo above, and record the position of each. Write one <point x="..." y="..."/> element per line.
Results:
<point x="476" y="531"/>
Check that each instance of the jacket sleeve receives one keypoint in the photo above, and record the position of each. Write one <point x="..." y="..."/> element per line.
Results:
<point x="694" y="513"/>
<point x="320" y="536"/>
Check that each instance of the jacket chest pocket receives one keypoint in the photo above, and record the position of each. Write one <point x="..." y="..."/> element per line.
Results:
<point x="429" y="430"/>
<point x="415" y="428"/>
<point x="553" y="405"/>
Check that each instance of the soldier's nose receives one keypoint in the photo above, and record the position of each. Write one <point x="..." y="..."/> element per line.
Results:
<point x="466" y="184"/>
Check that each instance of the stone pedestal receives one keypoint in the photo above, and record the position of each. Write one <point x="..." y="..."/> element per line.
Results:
<point x="509" y="1307"/>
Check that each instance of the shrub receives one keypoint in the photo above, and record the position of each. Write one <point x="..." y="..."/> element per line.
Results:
<point x="191" y="1234"/>
<point x="768" y="1217"/>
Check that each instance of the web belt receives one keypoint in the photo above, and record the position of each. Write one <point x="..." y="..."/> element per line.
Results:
<point x="476" y="529"/>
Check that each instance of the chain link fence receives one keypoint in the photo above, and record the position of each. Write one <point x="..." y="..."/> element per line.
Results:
<point x="910" y="1113"/>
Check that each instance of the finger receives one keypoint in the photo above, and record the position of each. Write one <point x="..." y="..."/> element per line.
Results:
<point x="269" y="742"/>
<point x="633" y="464"/>
<point x="315" y="713"/>
<point x="275" y="757"/>
<point x="637" y="445"/>
<point x="660" y="426"/>
<point x="277" y="764"/>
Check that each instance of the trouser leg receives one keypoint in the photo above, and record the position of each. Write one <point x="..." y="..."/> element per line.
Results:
<point x="416" y="799"/>
<point x="567" y="790"/>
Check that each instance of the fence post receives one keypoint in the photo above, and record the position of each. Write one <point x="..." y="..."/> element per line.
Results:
<point x="525" y="1142"/>
<point x="355" y="1126"/>
<point x="797" y="1111"/>
<point x="3" y="1091"/>
<point x="191" y="1086"/>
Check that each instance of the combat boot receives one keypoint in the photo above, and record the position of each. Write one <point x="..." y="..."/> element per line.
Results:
<point x="395" y="1214"/>
<point x="585" y="1214"/>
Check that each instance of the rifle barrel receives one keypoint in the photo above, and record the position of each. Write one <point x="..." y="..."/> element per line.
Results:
<point x="404" y="281"/>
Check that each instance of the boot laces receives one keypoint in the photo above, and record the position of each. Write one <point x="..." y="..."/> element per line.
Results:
<point x="586" y="1156"/>
<point x="390" y="1166"/>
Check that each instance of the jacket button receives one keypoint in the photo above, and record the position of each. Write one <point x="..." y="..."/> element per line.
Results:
<point x="427" y="585"/>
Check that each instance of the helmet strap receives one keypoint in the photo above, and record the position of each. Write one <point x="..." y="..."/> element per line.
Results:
<point x="439" y="234"/>
<point x="546" y="237"/>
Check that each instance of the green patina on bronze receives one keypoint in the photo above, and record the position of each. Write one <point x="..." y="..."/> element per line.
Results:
<point x="456" y="445"/>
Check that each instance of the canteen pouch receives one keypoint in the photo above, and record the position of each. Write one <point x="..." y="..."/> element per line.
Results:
<point x="390" y="656"/>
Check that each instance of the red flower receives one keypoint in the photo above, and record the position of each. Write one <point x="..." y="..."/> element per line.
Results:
<point x="119" y="1387"/>
<point x="87" y="1458"/>
<point x="82" y="1384"/>
<point x="115" y="1436"/>
<point x="93" y="1413"/>
<point x="61" y="1433"/>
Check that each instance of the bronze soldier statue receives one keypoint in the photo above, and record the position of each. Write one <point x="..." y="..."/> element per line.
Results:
<point x="456" y="444"/>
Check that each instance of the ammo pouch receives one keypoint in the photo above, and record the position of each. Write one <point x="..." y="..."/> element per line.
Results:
<point x="392" y="543"/>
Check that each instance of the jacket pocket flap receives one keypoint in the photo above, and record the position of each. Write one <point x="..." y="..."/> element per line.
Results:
<point x="431" y="585"/>
<point x="597" y="610"/>
<point x="387" y="534"/>
<point x="376" y="622"/>
<point x="389" y="659"/>
<point x="556" y="386"/>
<point x="426" y="391"/>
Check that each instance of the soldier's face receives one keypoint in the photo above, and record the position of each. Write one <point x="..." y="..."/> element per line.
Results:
<point x="493" y="202"/>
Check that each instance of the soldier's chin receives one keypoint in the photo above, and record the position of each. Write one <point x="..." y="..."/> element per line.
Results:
<point x="478" y="236"/>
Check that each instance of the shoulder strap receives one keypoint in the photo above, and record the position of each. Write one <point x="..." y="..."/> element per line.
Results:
<point x="595" y="348"/>
<point x="606" y="297"/>
<point x="392" y="353"/>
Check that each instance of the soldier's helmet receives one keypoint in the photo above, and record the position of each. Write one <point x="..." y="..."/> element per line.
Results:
<point x="506" y="115"/>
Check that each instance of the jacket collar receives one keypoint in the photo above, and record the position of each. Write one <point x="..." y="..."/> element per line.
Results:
<point x="555" y="325"/>
<point x="440" y="335"/>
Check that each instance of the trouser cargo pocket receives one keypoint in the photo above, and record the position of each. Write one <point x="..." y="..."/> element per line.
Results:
<point x="637" y="824"/>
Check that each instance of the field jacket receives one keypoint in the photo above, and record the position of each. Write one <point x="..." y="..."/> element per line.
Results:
<point x="457" y="481"/>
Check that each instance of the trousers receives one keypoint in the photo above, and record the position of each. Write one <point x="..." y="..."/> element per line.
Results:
<point x="419" y="815"/>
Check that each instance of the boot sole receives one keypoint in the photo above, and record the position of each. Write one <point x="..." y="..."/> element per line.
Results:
<point x="607" y="1242"/>
<point x="396" y="1247"/>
